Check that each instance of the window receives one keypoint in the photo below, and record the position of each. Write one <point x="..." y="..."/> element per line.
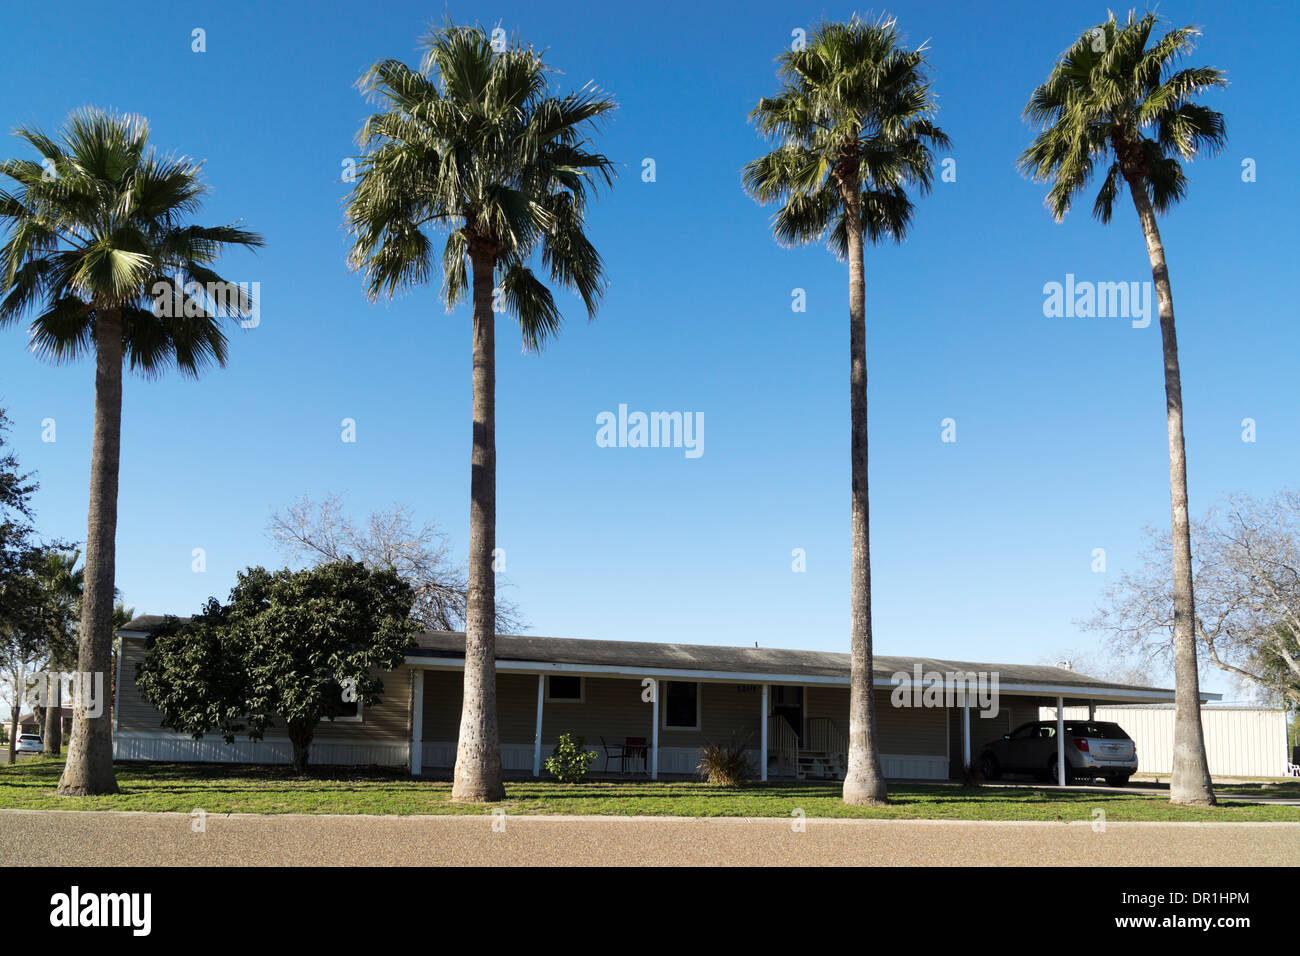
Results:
<point x="681" y="705"/>
<point x="349" y="710"/>
<point x="1025" y="731"/>
<point x="1096" y="730"/>
<point x="563" y="689"/>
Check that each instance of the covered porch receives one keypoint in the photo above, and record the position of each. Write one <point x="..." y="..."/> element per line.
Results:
<point x="649" y="709"/>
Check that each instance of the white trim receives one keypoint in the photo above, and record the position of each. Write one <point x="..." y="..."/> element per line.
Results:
<point x="1060" y="741"/>
<point x="542" y="680"/>
<point x="582" y="690"/>
<point x="654" y="732"/>
<point x="699" y="707"/>
<point x="748" y="677"/>
<point x="965" y="734"/>
<point x="762" y="749"/>
<point x="117" y="686"/>
<point x="417" y="723"/>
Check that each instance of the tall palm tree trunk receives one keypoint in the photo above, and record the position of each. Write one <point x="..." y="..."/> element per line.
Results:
<point x="53" y="736"/>
<point x="478" y="750"/>
<point x="1190" y="782"/>
<point x="863" y="781"/>
<point x="89" y="769"/>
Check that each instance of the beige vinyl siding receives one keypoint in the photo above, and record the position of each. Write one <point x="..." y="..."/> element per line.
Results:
<point x="385" y="720"/>
<point x="133" y="714"/>
<point x="611" y="707"/>
<point x="902" y="730"/>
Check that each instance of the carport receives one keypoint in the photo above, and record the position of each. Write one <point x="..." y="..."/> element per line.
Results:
<point x="1024" y="700"/>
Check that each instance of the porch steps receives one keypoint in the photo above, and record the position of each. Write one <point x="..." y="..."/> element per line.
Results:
<point x="818" y="765"/>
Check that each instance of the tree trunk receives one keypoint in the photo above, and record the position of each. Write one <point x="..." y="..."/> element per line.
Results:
<point x="864" y="783"/>
<point x="478" y="749"/>
<point x="300" y="736"/>
<point x="53" y="735"/>
<point x="89" y="769"/>
<point x="1190" y="781"/>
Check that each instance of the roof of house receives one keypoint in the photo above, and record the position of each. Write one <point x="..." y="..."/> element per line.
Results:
<point x="741" y="660"/>
<point x="723" y="660"/>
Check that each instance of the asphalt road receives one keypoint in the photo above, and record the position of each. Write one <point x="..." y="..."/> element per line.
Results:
<point x="68" y="838"/>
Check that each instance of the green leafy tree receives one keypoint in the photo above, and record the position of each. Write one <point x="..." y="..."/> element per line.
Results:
<point x="292" y="646"/>
<point x="1117" y="99"/>
<point x="851" y="129"/>
<point x="16" y="490"/>
<point x="62" y="582"/>
<point x="98" y="253"/>
<point x="23" y="629"/>
<point x="22" y="602"/>
<point x="475" y="145"/>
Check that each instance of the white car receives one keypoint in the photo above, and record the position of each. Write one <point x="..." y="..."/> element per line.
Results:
<point x="30" y="744"/>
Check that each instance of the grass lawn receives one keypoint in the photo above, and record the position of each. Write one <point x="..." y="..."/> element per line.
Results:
<point x="222" y="788"/>
<point x="1272" y="788"/>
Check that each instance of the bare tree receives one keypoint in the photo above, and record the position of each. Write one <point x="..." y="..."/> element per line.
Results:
<point x="1247" y="588"/>
<point x="320" y="532"/>
<point x="1109" y="664"/>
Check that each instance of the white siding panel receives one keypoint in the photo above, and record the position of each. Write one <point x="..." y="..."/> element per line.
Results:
<point x="127" y="746"/>
<point x="1239" y="741"/>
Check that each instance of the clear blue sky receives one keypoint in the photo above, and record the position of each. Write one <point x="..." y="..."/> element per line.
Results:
<point x="981" y="549"/>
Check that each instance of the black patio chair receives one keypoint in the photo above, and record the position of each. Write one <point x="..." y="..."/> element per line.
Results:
<point x="617" y="752"/>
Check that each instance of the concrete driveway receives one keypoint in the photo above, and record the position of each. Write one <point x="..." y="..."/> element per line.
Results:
<point x="107" y="838"/>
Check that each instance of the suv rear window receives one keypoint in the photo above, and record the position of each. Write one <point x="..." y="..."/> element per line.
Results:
<point x="1097" y="730"/>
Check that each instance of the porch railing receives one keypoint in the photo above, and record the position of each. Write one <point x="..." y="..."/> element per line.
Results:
<point x="824" y="735"/>
<point x="783" y="742"/>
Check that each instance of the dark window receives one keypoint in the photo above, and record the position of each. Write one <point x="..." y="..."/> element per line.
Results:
<point x="564" y="688"/>
<point x="1096" y="731"/>
<point x="346" y="708"/>
<point x="681" y="705"/>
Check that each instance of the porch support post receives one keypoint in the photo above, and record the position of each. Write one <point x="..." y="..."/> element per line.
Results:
<point x="1092" y="710"/>
<point x="762" y="735"/>
<point x="1060" y="741"/>
<point x="965" y="732"/>
<point x="537" y="737"/>
<point x="417" y="723"/>
<point x="654" y="731"/>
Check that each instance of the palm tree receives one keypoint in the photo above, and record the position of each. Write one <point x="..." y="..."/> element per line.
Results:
<point x="97" y="251"/>
<point x="851" y="128"/>
<point x="62" y="582"/>
<point x="1113" y="99"/>
<point x="474" y="143"/>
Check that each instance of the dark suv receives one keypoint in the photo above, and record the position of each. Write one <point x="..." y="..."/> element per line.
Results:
<point x="1093" y="748"/>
